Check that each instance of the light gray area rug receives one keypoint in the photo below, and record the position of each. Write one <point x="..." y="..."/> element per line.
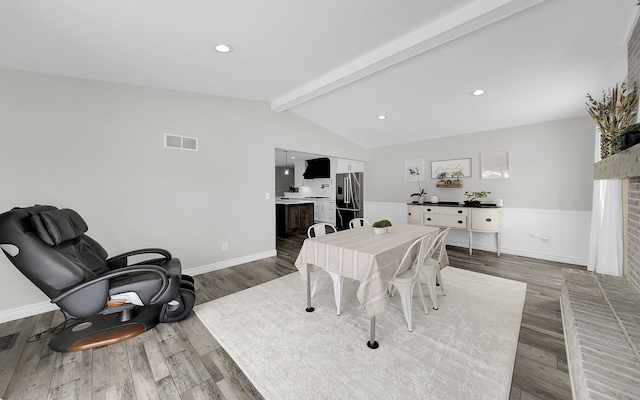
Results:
<point x="464" y="350"/>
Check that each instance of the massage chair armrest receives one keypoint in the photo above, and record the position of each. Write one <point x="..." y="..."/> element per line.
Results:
<point x="141" y="269"/>
<point x="121" y="260"/>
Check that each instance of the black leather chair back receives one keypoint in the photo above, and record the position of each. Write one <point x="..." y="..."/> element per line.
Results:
<point x="49" y="247"/>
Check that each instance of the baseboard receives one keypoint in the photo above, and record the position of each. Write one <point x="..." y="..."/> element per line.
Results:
<point x="229" y="263"/>
<point x="520" y="252"/>
<point x="26" y="311"/>
<point x="45" y="306"/>
<point x="548" y="257"/>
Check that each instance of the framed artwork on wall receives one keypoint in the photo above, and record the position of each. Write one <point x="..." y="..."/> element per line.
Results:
<point x="414" y="170"/>
<point x="494" y="165"/>
<point x="450" y="166"/>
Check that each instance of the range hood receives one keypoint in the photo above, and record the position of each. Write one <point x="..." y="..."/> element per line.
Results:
<point x="317" y="168"/>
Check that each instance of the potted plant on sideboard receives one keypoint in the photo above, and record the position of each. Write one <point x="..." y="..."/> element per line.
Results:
<point x="420" y="195"/>
<point x="472" y="198"/>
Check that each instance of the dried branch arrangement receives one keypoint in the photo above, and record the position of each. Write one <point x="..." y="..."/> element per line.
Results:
<point x="612" y="114"/>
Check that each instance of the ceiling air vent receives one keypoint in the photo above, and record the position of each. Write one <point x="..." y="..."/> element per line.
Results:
<point x="180" y="142"/>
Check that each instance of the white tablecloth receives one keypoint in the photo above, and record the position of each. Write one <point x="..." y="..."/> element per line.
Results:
<point x="362" y="255"/>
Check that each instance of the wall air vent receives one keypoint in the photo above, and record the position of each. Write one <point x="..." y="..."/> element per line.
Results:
<point x="180" y="142"/>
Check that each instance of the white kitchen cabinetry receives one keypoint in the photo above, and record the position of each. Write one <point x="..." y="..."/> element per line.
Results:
<point x="471" y="219"/>
<point x="325" y="211"/>
<point x="343" y="165"/>
<point x="298" y="179"/>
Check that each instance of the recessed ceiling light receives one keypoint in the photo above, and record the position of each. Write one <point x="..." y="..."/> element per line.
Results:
<point x="381" y="117"/>
<point x="477" y="92"/>
<point x="223" y="48"/>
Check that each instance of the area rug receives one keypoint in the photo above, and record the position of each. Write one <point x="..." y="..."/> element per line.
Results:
<point x="464" y="350"/>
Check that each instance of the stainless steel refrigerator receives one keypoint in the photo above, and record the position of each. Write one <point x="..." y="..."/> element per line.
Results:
<point x="349" y="198"/>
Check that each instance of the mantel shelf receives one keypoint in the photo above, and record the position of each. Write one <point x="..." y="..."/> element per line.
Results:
<point x="621" y="165"/>
<point x="449" y="185"/>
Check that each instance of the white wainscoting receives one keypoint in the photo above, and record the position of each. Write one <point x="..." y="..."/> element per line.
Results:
<point x="394" y="212"/>
<point x="568" y="233"/>
<point x="522" y="232"/>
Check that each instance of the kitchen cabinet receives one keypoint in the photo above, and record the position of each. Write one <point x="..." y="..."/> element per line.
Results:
<point x="325" y="211"/>
<point x="298" y="170"/>
<point x="293" y="219"/>
<point x="470" y="219"/>
<point x="344" y="165"/>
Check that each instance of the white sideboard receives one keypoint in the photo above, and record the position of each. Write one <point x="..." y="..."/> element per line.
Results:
<point x="471" y="219"/>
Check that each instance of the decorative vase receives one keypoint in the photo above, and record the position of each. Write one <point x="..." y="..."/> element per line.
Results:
<point x="380" y="231"/>
<point x="605" y="145"/>
<point x="420" y="199"/>
<point x="434" y="199"/>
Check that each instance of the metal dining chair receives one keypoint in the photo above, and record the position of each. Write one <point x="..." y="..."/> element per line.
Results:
<point x="430" y="272"/>
<point x="321" y="229"/>
<point x="358" y="223"/>
<point x="406" y="275"/>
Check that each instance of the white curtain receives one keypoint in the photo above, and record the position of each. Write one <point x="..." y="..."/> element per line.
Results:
<point x="605" y="239"/>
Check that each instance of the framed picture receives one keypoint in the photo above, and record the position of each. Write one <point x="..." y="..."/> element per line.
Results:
<point x="413" y="170"/>
<point x="450" y="166"/>
<point x="494" y="165"/>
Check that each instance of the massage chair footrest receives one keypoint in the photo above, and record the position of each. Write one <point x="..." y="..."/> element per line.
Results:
<point x="102" y="330"/>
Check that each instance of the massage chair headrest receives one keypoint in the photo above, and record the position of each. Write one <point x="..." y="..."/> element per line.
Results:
<point x="58" y="226"/>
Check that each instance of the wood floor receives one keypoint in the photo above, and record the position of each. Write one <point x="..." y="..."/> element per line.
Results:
<point x="183" y="361"/>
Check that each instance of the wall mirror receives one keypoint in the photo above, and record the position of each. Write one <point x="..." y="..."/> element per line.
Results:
<point x="495" y="165"/>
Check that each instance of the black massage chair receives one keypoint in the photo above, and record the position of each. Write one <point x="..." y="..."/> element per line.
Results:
<point x="108" y="299"/>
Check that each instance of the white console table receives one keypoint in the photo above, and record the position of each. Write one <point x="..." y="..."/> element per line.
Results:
<point x="487" y="219"/>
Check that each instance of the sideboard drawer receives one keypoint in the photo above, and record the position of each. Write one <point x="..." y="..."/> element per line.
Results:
<point x="452" y="221"/>
<point x="461" y="211"/>
<point x="486" y="220"/>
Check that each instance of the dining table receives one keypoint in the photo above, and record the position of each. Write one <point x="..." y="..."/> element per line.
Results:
<point x="360" y="254"/>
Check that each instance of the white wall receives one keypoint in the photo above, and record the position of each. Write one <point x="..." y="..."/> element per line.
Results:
<point x="549" y="192"/>
<point x="551" y="166"/>
<point x="98" y="148"/>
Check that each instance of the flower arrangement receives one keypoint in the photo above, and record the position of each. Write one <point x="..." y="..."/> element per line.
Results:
<point x="612" y="114"/>
<point x="420" y="194"/>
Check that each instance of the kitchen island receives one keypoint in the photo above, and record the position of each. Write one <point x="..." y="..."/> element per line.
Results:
<point x="293" y="217"/>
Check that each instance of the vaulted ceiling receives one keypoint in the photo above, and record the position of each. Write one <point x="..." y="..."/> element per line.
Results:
<point x="342" y="63"/>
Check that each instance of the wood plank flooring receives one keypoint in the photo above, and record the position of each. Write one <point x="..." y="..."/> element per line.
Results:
<point x="183" y="361"/>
